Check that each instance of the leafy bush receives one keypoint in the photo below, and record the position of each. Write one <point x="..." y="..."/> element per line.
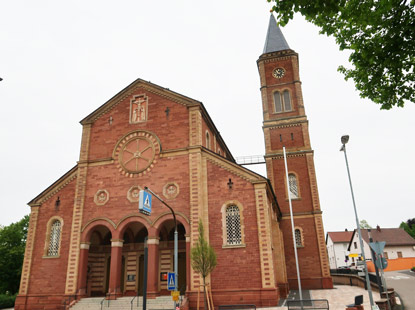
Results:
<point x="413" y="269"/>
<point x="7" y="301"/>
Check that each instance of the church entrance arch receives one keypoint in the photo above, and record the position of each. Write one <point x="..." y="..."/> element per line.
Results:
<point x="99" y="260"/>
<point x="133" y="235"/>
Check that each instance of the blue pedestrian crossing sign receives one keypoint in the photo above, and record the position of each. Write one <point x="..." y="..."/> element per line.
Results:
<point x="144" y="202"/>
<point x="171" y="281"/>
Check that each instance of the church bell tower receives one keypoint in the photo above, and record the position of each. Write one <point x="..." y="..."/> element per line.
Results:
<point x="285" y="125"/>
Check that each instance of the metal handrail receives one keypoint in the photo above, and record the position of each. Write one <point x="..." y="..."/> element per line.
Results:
<point x="242" y="306"/>
<point x="131" y="302"/>
<point x="109" y="298"/>
<point x="297" y="304"/>
<point x="138" y="298"/>
<point x="102" y="301"/>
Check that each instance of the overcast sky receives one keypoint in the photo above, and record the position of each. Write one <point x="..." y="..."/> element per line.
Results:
<point x="61" y="60"/>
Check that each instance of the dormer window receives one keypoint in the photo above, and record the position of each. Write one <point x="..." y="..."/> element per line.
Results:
<point x="282" y="101"/>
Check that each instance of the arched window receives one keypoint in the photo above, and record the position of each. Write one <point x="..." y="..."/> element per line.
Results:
<point x="282" y="102"/>
<point x="293" y="186"/>
<point x="233" y="226"/>
<point x="298" y="238"/>
<point x="207" y="140"/>
<point x="233" y="235"/>
<point x="54" y="239"/>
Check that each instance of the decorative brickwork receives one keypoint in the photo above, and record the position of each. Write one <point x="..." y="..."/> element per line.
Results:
<point x="71" y="275"/>
<point x="325" y="265"/>
<point x="195" y="174"/>
<point x="289" y="129"/>
<point x="27" y="262"/>
<point x="195" y="132"/>
<point x="264" y="237"/>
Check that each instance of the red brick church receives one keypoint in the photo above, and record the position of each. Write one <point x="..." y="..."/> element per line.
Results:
<point x="86" y="235"/>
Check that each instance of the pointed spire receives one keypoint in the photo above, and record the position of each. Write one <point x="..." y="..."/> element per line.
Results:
<point x="275" y="40"/>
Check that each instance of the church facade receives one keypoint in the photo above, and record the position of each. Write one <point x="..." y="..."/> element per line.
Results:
<point x="86" y="236"/>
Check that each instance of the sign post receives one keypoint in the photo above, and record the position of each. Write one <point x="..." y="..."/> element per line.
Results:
<point x="176" y="234"/>
<point x="171" y="281"/>
<point x="381" y="263"/>
<point x="144" y="202"/>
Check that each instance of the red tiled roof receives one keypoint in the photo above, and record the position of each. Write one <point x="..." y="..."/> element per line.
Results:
<point x="392" y="236"/>
<point x="340" y="236"/>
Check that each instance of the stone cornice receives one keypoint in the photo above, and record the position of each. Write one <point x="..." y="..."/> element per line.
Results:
<point x="280" y="84"/>
<point x="296" y="153"/>
<point x="279" y="55"/>
<point x="291" y="120"/>
<point x="286" y="216"/>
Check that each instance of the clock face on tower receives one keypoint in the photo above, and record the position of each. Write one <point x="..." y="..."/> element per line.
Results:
<point x="278" y="73"/>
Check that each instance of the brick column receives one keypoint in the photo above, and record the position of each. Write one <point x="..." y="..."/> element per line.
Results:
<point x="83" y="269"/>
<point x="114" y="289"/>
<point x="153" y="266"/>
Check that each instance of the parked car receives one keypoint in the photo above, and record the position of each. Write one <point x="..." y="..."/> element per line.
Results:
<point x="344" y="269"/>
<point x="359" y="266"/>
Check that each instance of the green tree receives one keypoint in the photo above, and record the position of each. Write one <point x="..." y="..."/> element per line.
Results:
<point x="364" y="225"/>
<point x="409" y="227"/>
<point x="203" y="258"/>
<point x="12" y="247"/>
<point x="380" y="35"/>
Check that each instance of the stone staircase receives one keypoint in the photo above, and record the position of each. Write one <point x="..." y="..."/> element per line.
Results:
<point x="124" y="303"/>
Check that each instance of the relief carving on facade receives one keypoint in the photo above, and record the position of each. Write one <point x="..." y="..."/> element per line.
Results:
<point x="101" y="197"/>
<point x="133" y="193"/>
<point x="138" y="109"/>
<point x="136" y="153"/>
<point x="171" y="190"/>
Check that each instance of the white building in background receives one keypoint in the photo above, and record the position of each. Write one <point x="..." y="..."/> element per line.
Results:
<point x="399" y="244"/>
<point x="337" y="243"/>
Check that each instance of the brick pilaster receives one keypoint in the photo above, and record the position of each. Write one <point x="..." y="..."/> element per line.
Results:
<point x="74" y="245"/>
<point x="27" y="262"/>
<point x="196" y="212"/>
<point x="264" y="236"/>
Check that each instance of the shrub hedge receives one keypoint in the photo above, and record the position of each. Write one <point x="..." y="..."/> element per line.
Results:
<point x="7" y="301"/>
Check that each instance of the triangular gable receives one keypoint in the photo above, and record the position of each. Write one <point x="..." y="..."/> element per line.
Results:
<point x="160" y="91"/>
<point x="130" y="89"/>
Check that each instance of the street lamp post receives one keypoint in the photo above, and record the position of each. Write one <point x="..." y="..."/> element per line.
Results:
<point x="344" y="140"/>
<point x="176" y="236"/>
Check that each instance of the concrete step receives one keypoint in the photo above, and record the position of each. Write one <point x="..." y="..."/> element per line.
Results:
<point x="124" y="303"/>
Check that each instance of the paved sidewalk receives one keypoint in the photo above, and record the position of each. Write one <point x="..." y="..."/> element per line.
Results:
<point x="343" y="295"/>
<point x="338" y="297"/>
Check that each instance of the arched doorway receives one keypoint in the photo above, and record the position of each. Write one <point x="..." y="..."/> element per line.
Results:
<point x="99" y="261"/>
<point x="166" y="255"/>
<point x="133" y="256"/>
